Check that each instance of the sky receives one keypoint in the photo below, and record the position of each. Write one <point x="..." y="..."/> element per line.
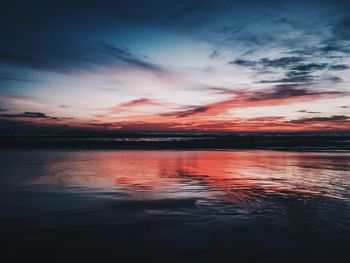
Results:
<point x="187" y="65"/>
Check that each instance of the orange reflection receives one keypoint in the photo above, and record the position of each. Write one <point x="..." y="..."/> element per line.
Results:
<point x="232" y="176"/>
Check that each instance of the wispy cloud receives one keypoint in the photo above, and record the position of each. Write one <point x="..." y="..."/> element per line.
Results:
<point x="25" y="115"/>
<point x="279" y="95"/>
<point x="133" y="104"/>
<point x="130" y="58"/>
<point x="21" y="101"/>
<point x="334" y="118"/>
<point x="311" y="112"/>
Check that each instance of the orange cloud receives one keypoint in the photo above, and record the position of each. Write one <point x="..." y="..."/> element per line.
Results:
<point x="132" y="104"/>
<point x="206" y="117"/>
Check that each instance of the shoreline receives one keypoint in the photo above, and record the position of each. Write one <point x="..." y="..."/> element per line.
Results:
<point x="286" y="142"/>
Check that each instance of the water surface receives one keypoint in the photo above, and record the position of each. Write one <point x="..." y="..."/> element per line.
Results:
<point x="175" y="206"/>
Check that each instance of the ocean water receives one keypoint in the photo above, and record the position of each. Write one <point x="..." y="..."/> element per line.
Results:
<point x="174" y="206"/>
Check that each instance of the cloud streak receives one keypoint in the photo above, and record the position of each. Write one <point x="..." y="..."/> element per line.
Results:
<point x="332" y="119"/>
<point x="25" y="115"/>
<point x="279" y="95"/>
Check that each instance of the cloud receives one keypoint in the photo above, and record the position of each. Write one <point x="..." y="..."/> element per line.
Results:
<point x="282" y="94"/>
<point x="138" y="102"/>
<point x="334" y="118"/>
<point x="279" y="95"/>
<point x="74" y="58"/>
<point x="186" y="113"/>
<point x="26" y="114"/>
<point x="43" y="126"/>
<point x="311" y="112"/>
<point x="243" y="62"/>
<point x="339" y="67"/>
<point x="133" y="104"/>
<point x="281" y="62"/>
<point x="214" y="54"/>
<point x="292" y="77"/>
<point x="4" y="78"/>
<point x="282" y="91"/>
<point x="130" y="58"/>
<point x="295" y="68"/>
<point x="310" y="67"/>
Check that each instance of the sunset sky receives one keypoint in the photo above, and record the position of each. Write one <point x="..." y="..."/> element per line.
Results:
<point x="175" y="65"/>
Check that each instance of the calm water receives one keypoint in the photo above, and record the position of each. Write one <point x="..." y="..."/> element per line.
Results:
<point x="175" y="206"/>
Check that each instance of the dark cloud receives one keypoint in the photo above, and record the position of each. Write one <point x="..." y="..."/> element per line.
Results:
<point x="300" y="77"/>
<point x="26" y="114"/>
<point x="297" y="76"/>
<point x="220" y="90"/>
<point x="66" y="60"/>
<point x="334" y="79"/>
<point x="311" y="112"/>
<point x="244" y="63"/>
<point x="129" y="58"/>
<point x="330" y="48"/>
<point x="339" y="67"/>
<point x="281" y="62"/>
<point x="282" y="91"/>
<point x="5" y="78"/>
<point x="186" y="113"/>
<point x="12" y="126"/>
<point x="292" y="77"/>
<point x="192" y="111"/>
<point x="334" y="118"/>
<point x="310" y="67"/>
<point x="297" y="71"/>
<point x="214" y="54"/>
<point x="2" y="109"/>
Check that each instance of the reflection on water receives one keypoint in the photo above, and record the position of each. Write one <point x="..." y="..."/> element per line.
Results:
<point x="183" y="205"/>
